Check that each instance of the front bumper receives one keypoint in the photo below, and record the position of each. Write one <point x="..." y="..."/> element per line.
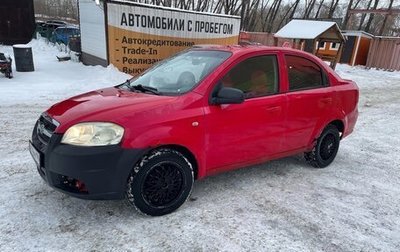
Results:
<point x="85" y="172"/>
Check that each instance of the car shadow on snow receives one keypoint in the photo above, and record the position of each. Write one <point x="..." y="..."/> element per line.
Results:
<point x="272" y="170"/>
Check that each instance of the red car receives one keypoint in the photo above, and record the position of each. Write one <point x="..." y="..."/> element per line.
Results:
<point x="206" y="110"/>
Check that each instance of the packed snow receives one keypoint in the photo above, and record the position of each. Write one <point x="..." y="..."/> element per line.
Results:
<point x="283" y="205"/>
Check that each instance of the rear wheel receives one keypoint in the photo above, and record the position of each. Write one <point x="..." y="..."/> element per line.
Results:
<point x="160" y="183"/>
<point x="324" y="152"/>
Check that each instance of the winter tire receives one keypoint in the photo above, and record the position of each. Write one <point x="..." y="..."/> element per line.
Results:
<point x="160" y="183"/>
<point x="324" y="152"/>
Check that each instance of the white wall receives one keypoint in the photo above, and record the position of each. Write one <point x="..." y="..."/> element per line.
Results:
<point x="93" y="33"/>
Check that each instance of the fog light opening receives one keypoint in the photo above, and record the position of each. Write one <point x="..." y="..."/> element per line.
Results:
<point x="80" y="186"/>
<point x="74" y="185"/>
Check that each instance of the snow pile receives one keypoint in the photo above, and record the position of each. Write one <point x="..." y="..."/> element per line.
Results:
<point x="284" y="205"/>
<point x="52" y="80"/>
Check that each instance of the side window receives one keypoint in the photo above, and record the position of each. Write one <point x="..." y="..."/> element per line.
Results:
<point x="256" y="76"/>
<point x="321" y="45"/>
<point x="303" y="73"/>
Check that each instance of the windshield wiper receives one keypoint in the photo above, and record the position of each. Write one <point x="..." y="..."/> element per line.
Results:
<point x="126" y="83"/>
<point x="142" y="88"/>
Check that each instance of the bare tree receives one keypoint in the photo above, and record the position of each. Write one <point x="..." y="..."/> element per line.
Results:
<point x="292" y="10"/>
<point x="274" y="10"/>
<point x="321" y="2"/>
<point x="57" y="8"/>
<point x="371" y="17"/>
<point x="260" y="15"/>
<point x="363" y="16"/>
<point x="386" y="19"/>
<point x="309" y="7"/>
<point x="296" y="4"/>
<point x="332" y="8"/>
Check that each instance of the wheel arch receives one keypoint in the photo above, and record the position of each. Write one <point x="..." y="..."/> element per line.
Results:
<point x="338" y="123"/>
<point x="184" y="151"/>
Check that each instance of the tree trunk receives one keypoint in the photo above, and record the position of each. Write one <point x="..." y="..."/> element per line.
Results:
<point x="364" y="15"/>
<point x="347" y="16"/>
<point x="333" y="7"/>
<point x="321" y="2"/>
<point x="273" y="15"/>
<point x="385" y="20"/>
<point x="243" y="11"/>
<point x="309" y="8"/>
<point x="285" y="16"/>
<point x="294" y="9"/>
<point x="371" y="17"/>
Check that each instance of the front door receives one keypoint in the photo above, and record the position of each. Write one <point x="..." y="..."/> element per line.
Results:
<point x="240" y="134"/>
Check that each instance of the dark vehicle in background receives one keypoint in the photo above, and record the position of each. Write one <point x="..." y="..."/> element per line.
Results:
<point x="39" y="27"/>
<point x="63" y="34"/>
<point x="5" y="65"/>
<point x="53" y="24"/>
<point x="47" y="28"/>
<point x="17" y="21"/>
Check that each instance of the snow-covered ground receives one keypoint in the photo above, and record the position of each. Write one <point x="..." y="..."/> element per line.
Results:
<point x="353" y="205"/>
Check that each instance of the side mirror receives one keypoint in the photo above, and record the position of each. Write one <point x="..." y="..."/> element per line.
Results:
<point x="227" y="95"/>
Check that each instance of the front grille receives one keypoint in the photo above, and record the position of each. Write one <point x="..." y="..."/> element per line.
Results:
<point x="41" y="135"/>
<point x="45" y="128"/>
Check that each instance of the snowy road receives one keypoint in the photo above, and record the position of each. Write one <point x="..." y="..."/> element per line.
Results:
<point x="353" y="205"/>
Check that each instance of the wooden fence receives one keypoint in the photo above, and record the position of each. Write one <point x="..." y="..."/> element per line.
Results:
<point x="384" y="53"/>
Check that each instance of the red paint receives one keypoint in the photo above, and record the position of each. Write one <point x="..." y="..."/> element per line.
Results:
<point x="222" y="137"/>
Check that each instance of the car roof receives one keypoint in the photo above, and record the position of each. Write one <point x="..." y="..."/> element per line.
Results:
<point x="56" y="21"/>
<point x="240" y="50"/>
<point x="246" y="48"/>
<point x="68" y="27"/>
<point x="51" y="23"/>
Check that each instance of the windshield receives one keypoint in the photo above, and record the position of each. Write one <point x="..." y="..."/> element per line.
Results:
<point x="180" y="73"/>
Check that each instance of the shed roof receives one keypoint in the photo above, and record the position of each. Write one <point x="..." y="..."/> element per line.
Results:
<point x="357" y="33"/>
<point x="305" y="29"/>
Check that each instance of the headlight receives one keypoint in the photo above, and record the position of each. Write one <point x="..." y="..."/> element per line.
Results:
<point x="93" y="134"/>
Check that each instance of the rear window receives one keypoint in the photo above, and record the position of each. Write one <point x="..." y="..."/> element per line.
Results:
<point x="303" y="73"/>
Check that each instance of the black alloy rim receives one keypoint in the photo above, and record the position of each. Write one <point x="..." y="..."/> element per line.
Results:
<point x="328" y="146"/>
<point x="163" y="184"/>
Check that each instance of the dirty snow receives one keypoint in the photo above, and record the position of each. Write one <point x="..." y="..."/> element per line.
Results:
<point x="284" y="205"/>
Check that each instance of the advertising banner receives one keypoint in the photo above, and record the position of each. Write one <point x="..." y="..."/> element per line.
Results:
<point x="141" y="35"/>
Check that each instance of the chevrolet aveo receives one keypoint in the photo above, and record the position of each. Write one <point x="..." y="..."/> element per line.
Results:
<point x="205" y="110"/>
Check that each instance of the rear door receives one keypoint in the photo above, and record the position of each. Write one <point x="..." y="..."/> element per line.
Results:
<point x="244" y="133"/>
<point x="309" y="99"/>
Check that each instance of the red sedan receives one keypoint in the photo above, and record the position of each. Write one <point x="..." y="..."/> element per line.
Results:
<point x="205" y="110"/>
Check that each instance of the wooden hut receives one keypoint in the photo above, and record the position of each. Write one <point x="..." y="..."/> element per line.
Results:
<point x="356" y="48"/>
<point x="321" y="38"/>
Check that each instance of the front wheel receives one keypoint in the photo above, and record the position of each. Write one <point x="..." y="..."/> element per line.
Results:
<point x="324" y="152"/>
<point x="160" y="183"/>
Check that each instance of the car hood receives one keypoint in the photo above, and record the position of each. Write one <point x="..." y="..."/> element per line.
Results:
<point x="108" y="104"/>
